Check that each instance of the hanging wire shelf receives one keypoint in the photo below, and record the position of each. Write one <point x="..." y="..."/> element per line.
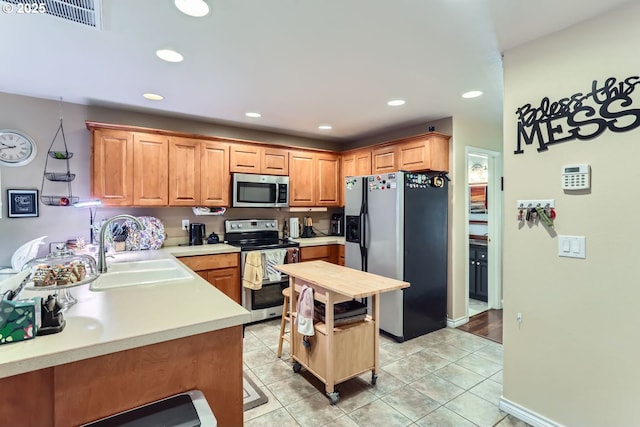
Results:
<point x="60" y="176"/>
<point x="59" y="200"/>
<point x="60" y="155"/>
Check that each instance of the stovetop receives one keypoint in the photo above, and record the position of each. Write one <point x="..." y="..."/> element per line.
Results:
<point x="255" y="234"/>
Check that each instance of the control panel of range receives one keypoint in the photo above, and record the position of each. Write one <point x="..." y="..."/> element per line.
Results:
<point x="244" y="225"/>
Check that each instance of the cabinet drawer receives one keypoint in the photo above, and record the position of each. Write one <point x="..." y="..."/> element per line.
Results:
<point x="327" y="253"/>
<point x="210" y="262"/>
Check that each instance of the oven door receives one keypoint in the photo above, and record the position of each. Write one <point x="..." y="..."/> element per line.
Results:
<point x="266" y="302"/>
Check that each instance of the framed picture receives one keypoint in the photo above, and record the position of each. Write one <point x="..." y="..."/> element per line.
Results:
<point x="22" y="203"/>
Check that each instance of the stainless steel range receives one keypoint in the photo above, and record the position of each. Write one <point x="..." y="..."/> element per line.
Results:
<point x="262" y="235"/>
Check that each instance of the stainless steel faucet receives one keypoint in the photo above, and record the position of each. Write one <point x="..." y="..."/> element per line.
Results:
<point x="102" y="258"/>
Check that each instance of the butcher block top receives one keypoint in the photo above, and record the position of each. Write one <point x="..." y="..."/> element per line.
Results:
<point x="342" y="280"/>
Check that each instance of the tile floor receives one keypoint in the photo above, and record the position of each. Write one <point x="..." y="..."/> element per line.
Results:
<point x="476" y="307"/>
<point x="446" y="378"/>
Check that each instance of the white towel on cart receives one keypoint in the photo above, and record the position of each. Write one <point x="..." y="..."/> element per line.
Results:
<point x="304" y="309"/>
<point x="272" y="258"/>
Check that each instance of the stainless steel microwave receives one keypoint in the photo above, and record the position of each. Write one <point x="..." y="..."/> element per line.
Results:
<point x="260" y="191"/>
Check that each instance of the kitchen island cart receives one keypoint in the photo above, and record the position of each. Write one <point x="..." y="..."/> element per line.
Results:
<point x="338" y="353"/>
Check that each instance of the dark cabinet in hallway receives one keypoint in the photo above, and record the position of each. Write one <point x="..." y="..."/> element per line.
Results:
<point x="478" y="273"/>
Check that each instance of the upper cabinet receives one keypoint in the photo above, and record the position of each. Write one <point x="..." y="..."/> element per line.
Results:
<point x="132" y="168"/>
<point x="354" y="163"/>
<point x="112" y="167"/>
<point x="215" y="180"/>
<point x="129" y="168"/>
<point x="428" y="151"/>
<point x="150" y="169"/>
<point x="313" y="178"/>
<point x="184" y="171"/>
<point x="255" y="158"/>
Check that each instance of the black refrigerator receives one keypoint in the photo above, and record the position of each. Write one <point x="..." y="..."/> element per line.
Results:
<point x="396" y="226"/>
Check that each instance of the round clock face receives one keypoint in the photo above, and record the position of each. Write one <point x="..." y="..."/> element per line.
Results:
<point x="16" y="148"/>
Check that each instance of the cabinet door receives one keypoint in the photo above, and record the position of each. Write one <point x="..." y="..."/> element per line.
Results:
<point x="245" y="158"/>
<point x="363" y="162"/>
<point x="414" y="156"/>
<point x="328" y="253"/>
<point x="214" y="171"/>
<point x="275" y="161"/>
<point x="384" y="160"/>
<point x="112" y="167"/>
<point x="302" y="178"/>
<point x="184" y="172"/>
<point x="472" y="272"/>
<point x="328" y="172"/>
<point x="150" y="170"/>
<point x="227" y="280"/>
<point x="482" y="270"/>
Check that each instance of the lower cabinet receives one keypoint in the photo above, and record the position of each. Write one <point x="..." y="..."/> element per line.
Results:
<point x="478" y="273"/>
<point x="328" y="253"/>
<point x="222" y="271"/>
<point x="353" y="352"/>
<point x="341" y="255"/>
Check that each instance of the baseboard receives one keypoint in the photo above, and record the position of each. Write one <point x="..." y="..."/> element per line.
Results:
<point x="454" y="323"/>
<point x="525" y="415"/>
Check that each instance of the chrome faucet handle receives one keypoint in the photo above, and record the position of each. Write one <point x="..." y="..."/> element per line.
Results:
<point x="102" y="258"/>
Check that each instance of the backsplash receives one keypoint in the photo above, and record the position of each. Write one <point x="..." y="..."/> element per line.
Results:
<point x="172" y="219"/>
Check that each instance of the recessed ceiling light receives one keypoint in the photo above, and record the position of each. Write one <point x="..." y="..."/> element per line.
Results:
<point x="153" y="96"/>
<point x="472" y="94"/>
<point x="253" y="115"/>
<point x="396" y="102"/>
<point x="196" y="8"/>
<point x="169" y="55"/>
<point x="325" y="127"/>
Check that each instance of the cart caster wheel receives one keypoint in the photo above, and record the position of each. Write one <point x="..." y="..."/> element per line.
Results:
<point x="333" y="397"/>
<point x="296" y="367"/>
<point x="374" y="379"/>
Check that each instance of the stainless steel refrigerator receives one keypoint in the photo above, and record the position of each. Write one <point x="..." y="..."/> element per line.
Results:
<point x="396" y="226"/>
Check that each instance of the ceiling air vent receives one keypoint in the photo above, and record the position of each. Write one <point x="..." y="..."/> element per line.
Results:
<point x="85" y="12"/>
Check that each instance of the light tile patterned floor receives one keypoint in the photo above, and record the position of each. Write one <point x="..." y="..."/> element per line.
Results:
<point x="446" y="378"/>
<point x="476" y="307"/>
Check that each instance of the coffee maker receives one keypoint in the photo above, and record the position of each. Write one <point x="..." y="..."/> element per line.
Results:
<point x="336" y="225"/>
<point x="196" y="233"/>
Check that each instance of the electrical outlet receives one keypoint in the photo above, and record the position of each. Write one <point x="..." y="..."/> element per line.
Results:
<point x="519" y="317"/>
<point x="185" y="224"/>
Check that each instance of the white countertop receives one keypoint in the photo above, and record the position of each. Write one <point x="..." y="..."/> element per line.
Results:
<point x="128" y="317"/>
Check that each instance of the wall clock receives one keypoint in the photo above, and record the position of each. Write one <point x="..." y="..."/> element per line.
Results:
<point x="16" y="148"/>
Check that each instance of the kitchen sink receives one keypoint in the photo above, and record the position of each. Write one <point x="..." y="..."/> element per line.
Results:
<point x="152" y="264"/>
<point x="136" y="273"/>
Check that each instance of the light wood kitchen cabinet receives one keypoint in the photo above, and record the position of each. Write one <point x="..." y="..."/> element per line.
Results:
<point x="419" y="153"/>
<point x="129" y="168"/>
<point x="150" y="169"/>
<point x="384" y="159"/>
<point x="112" y="167"/>
<point x="215" y="180"/>
<point x="222" y="271"/>
<point x="354" y="163"/>
<point x="328" y="253"/>
<point x="313" y="179"/>
<point x="255" y="158"/>
<point x="184" y="172"/>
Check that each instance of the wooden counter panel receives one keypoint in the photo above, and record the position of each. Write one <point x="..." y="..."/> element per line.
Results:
<point x="33" y="389"/>
<point x="210" y="262"/>
<point x="95" y="388"/>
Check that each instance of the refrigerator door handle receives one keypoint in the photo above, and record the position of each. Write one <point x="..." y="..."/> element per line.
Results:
<point x="364" y="210"/>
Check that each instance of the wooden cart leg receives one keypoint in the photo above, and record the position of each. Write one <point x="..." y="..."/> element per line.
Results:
<point x="330" y="354"/>
<point x="375" y="299"/>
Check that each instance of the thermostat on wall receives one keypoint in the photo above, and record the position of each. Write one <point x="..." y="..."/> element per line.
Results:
<point x="576" y="177"/>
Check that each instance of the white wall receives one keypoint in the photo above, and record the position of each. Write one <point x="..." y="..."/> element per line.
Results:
<point x="574" y="359"/>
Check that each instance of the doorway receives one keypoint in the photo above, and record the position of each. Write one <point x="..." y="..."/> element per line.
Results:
<point x="483" y="230"/>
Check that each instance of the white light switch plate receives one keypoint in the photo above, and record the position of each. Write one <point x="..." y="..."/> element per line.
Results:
<point x="571" y="246"/>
